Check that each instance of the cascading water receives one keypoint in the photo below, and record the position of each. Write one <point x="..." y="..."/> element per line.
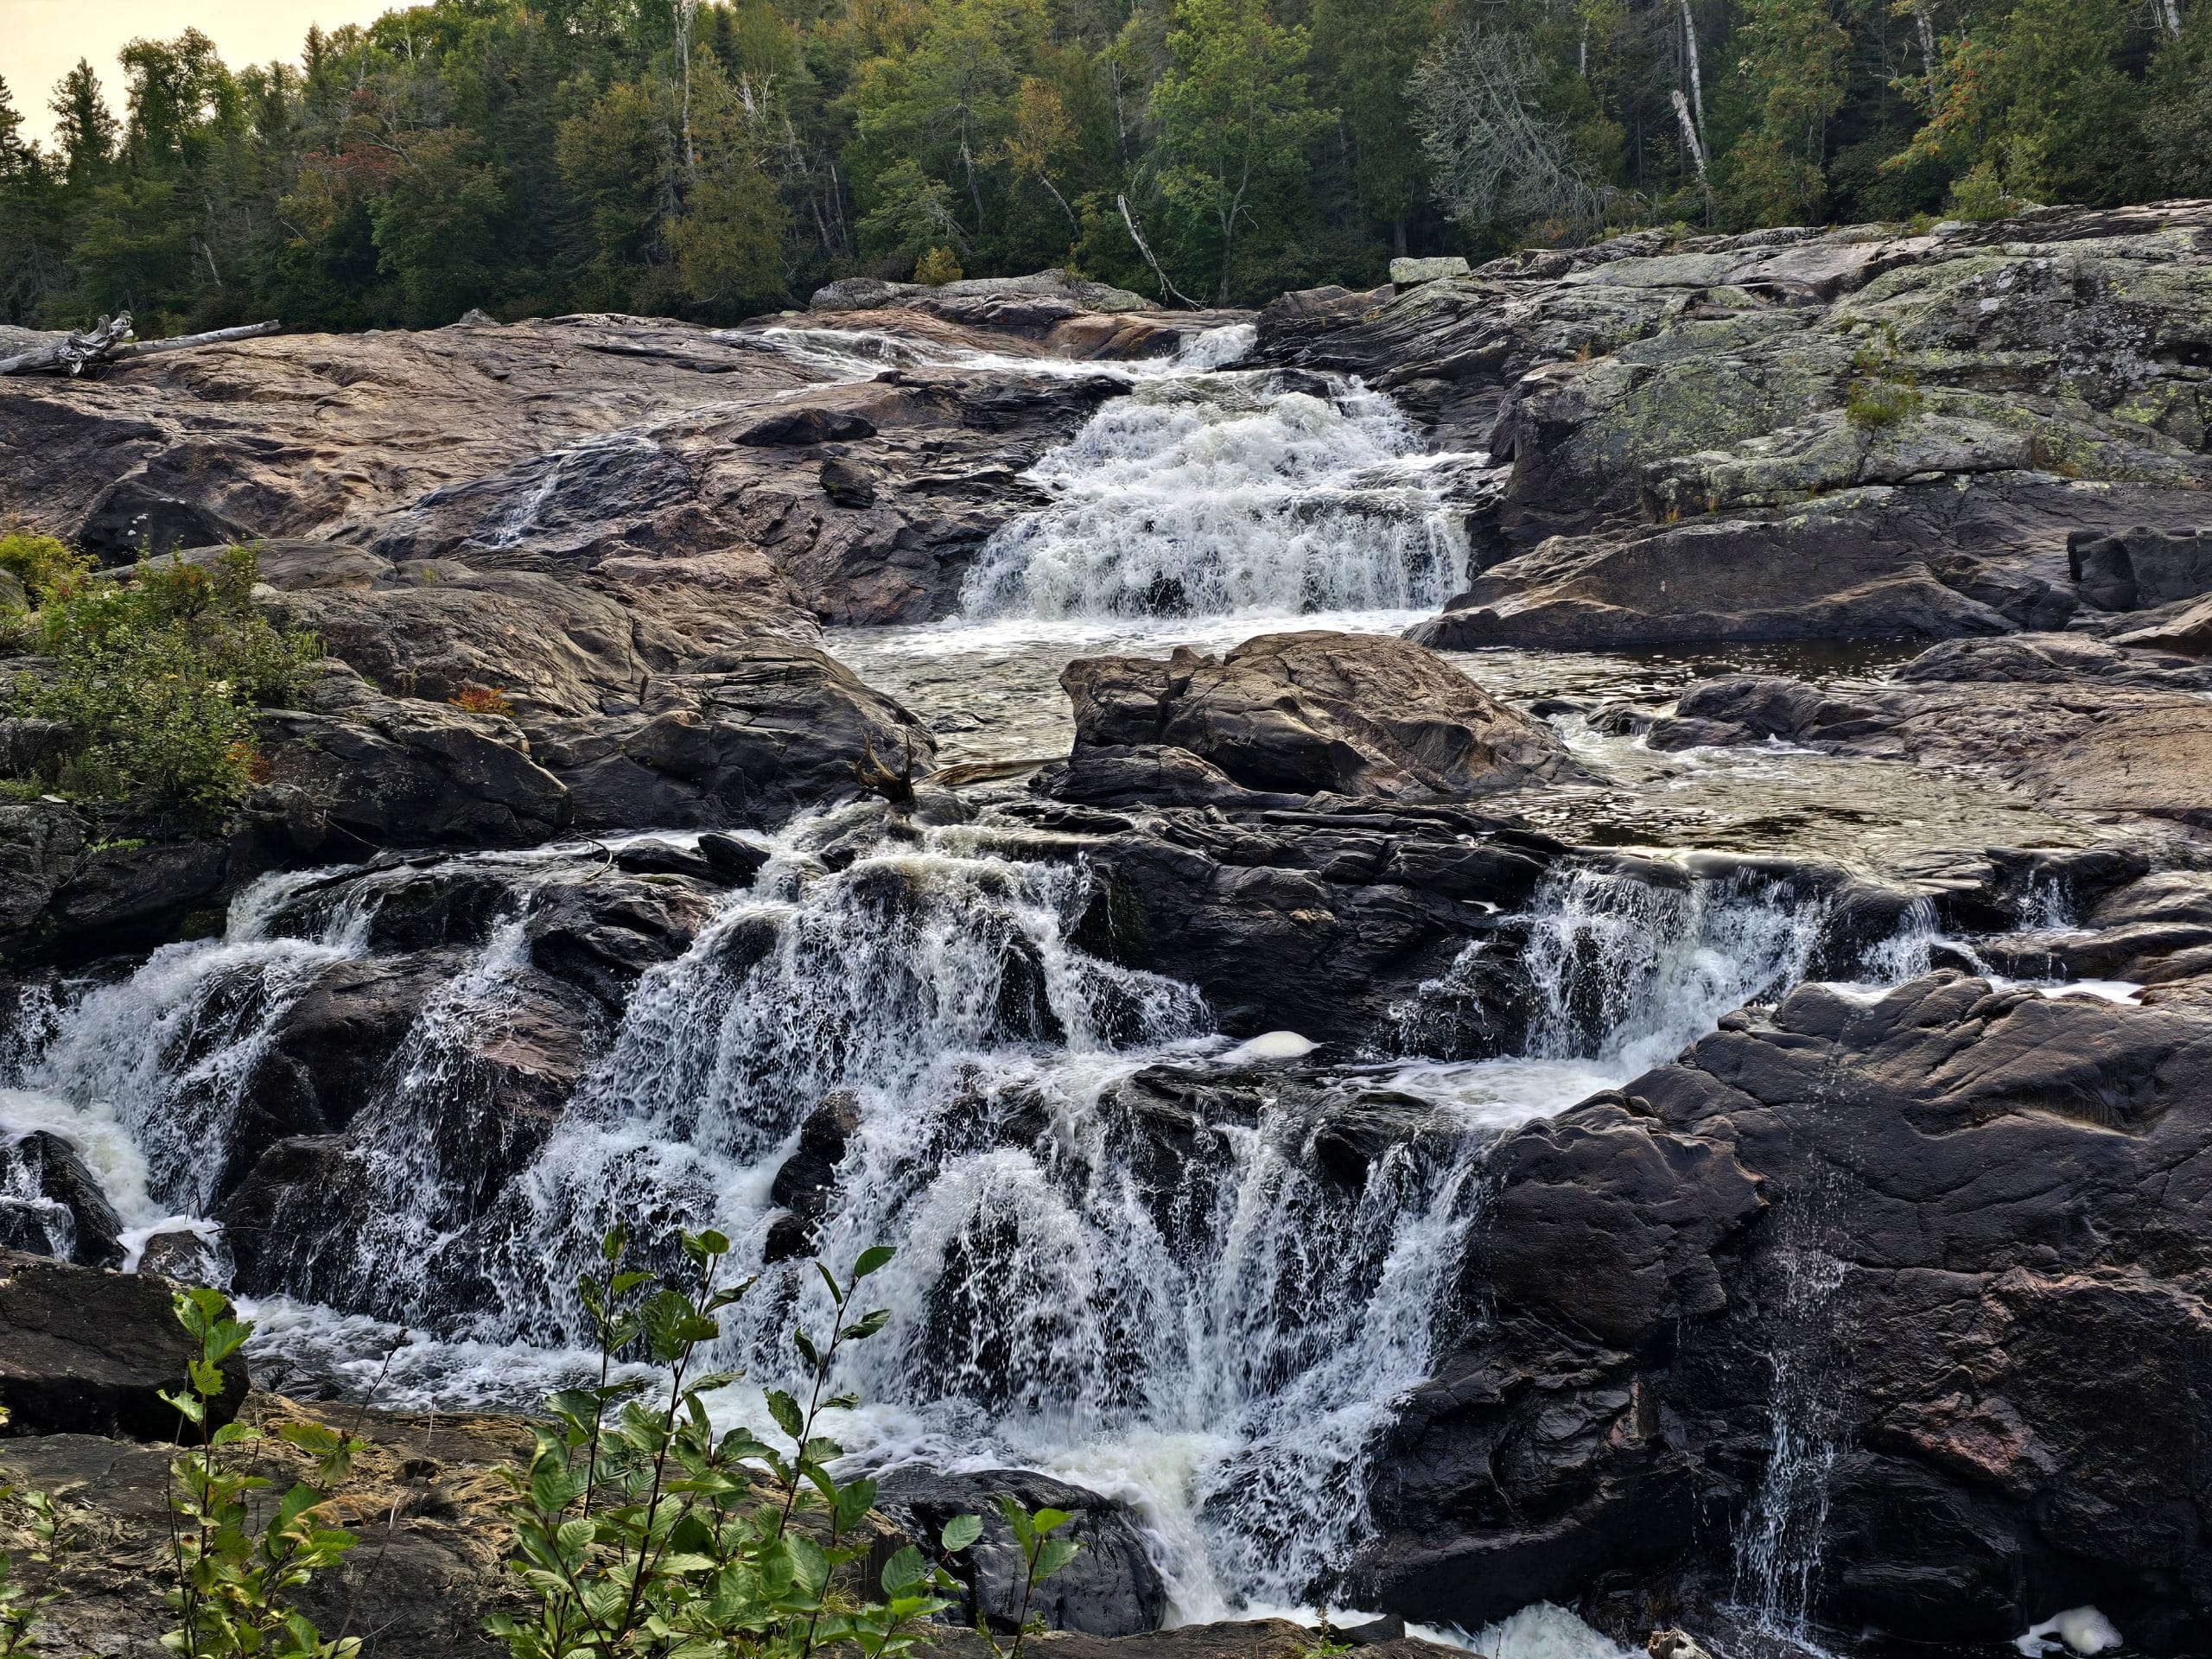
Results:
<point x="1215" y="1331"/>
<point x="1229" y="494"/>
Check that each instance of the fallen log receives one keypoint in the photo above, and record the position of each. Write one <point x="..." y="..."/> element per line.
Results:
<point x="112" y="341"/>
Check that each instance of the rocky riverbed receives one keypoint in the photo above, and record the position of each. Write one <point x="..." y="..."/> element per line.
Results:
<point x="1532" y="953"/>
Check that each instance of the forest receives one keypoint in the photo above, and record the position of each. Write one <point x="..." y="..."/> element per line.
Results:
<point x="713" y="159"/>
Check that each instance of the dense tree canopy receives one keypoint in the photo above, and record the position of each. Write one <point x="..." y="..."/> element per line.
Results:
<point x="716" y="158"/>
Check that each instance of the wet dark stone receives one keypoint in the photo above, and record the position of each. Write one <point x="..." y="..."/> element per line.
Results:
<point x="1110" y="1588"/>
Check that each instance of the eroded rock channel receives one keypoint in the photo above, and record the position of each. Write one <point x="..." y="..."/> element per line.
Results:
<point x="1488" y="964"/>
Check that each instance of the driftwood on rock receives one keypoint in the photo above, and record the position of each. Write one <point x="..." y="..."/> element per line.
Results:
<point x="111" y="341"/>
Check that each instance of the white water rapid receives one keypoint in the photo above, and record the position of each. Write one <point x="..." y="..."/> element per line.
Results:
<point x="1216" y="1336"/>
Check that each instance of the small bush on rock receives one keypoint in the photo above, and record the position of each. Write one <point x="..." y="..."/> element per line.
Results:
<point x="482" y="700"/>
<point x="156" y="676"/>
<point x="937" y="267"/>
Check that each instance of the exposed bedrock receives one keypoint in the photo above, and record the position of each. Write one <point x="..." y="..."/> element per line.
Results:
<point x="1921" y="1261"/>
<point x="1803" y="434"/>
<point x="562" y="445"/>
<point x="1296" y="715"/>
<point x="2074" y="722"/>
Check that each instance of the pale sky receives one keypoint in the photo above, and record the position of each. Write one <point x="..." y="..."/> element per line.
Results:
<point x="40" y="39"/>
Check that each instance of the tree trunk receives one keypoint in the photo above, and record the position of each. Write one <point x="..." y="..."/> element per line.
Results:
<point x="1697" y="81"/>
<point x="685" y="10"/>
<point x="111" y="342"/>
<point x="1924" y="27"/>
<point x="1689" y="132"/>
<point x="1145" y="248"/>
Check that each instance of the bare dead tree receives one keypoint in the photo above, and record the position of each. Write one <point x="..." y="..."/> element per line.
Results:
<point x="1494" y="156"/>
<point x="876" y="778"/>
<point x="1145" y="248"/>
<point x="110" y="342"/>
<point x="1697" y="80"/>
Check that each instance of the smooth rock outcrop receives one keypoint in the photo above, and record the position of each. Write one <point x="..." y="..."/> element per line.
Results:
<point x="1803" y="433"/>
<point x="1307" y="714"/>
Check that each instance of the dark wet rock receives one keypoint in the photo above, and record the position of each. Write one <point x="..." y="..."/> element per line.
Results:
<point x="602" y="932"/>
<point x="86" y="1352"/>
<point x="805" y="426"/>
<point x="52" y="1205"/>
<point x="846" y="484"/>
<point x="391" y="772"/>
<point x="2141" y="569"/>
<point x="1902" y="1226"/>
<point x="1326" y="923"/>
<point x="183" y="1256"/>
<point x="1111" y="1588"/>
<point x="734" y="862"/>
<point x="806" y="1181"/>
<point x="745" y="739"/>
<point x="1306" y="714"/>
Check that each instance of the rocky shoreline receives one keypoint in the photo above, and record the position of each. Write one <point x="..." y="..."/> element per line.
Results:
<point x="1882" y="1306"/>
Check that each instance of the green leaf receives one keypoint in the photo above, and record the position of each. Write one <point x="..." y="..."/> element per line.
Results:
<point x="785" y="1411"/>
<point x="1050" y="1520"/>
<point x="1052" y="1554"/>
<point x="872" y="1260"/>
<point x="852" y="1503"/>
<point x="904" y="1570"/>
<point x="960" y="1532"/>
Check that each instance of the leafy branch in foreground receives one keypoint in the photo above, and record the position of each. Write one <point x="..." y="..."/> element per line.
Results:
<point x="20" y="1609"/>
<point x="236" y="1578"/>
<point x="641" y="1531"/>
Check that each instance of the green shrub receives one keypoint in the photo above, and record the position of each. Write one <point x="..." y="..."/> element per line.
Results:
<point x="1979" y="196"/>
<point x="937" y="267"/>
<point x="39" y="562"/>
<point x="157" y="674"/>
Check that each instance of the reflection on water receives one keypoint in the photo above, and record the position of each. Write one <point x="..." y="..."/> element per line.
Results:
<point x="991" y="692"/>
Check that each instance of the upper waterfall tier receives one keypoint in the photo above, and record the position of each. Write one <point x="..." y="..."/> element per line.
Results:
<point x="1234" y="493"/>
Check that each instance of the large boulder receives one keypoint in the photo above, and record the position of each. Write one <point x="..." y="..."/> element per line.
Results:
<point x="51" y="1204"/>
<point x="86" y="1352"/>
<point x="2142" y="569"/>
<point x="1353" y="714"/>
<point x="384" y="772"/>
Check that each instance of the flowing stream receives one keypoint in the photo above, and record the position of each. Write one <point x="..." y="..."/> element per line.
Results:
<point x="1220" y="1345"/>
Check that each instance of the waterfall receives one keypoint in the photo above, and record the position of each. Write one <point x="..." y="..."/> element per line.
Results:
<point x="1778" y="1539"/>
<point x="167" y="1054"/>
<point x="1226" y="493"/>
<point x="1215" y="1328"/>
